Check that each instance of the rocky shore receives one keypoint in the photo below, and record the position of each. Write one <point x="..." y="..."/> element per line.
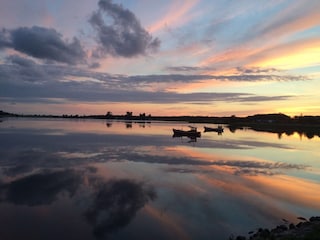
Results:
<point x="304" y="230"/>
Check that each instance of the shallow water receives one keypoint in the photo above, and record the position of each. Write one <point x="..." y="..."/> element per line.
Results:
<point x="97" y="179"/>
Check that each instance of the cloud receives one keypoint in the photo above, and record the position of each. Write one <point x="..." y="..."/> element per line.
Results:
<point x="99" y="93"/>
<point x="176" y="15"/>
<point x="112" y="205"/>
<point x="116" y="203"/>
<point x="256" y="98"/>
<point x="255" y="172"/>
<point x="94" y="65"/>
<point x="254" y="168"/>
<point x="260" y="164"/>
<point x="187" y="69"/>
<point x="43" y="43"/>
<point x="21" y="61"/>
<point x="119" y="32"/>
<point x="24" y="80"/>
<point x="249" y="167"/>
<point x="20" y="69"/>
<point x="169" y="78"/>
<point x="255" y="70"/>
<point x="40" y="189"/>
<point x="58" y="73"/>
<point x="283" y="56"/>
<point x="290" y="20"/>
<point x="239" y="167"/>
<point x="4" y="38"/>
<point x="256" y="44"/>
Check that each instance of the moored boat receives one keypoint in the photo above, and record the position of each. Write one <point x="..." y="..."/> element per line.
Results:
<point x="192" y="133"/>
<point x="218" y="129"/>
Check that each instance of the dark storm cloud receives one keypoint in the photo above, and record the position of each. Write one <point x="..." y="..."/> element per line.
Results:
<point x="120" y="32"/>
<point x="43" y="43"/>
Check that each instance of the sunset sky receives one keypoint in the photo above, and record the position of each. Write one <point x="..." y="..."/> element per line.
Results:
<point x="191" y="57"/>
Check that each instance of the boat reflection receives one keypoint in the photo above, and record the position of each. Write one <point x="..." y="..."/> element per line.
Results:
<point x="192" y="139"/>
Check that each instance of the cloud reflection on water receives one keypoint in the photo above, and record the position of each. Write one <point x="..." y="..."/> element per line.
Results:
<point x="112" y="205"/>
<point x="19" y="161"/>
<point x="115" y="204"/>
<point x="202" y="189"/>
<point x="41" y="188"/>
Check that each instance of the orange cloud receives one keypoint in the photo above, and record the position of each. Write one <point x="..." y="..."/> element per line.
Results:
<point x="272" y="44"/>
<point x="258" y="189"/>
<point x="295" y="54"/>
<point x="289" y="189"/>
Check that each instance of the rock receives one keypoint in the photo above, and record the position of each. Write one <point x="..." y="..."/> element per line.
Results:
<point x="283" y="227"/>
<point x="280" y="229"/>
<point x="299" y="224"/>
<point x="241" y="238"/>
<point x="303" y="230"/>
<point x="302" y="218"/>
<point x="265" y="233"/>
<point x="314" y="219"/>
<point x="292" y="226"/>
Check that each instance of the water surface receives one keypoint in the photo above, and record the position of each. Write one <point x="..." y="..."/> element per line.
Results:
<point x="96" y="179"/>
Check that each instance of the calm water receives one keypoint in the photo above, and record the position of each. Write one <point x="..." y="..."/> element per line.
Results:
<point x="92" y="179"/>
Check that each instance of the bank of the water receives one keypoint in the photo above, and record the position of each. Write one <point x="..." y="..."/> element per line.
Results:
<point x="305" y="230"/>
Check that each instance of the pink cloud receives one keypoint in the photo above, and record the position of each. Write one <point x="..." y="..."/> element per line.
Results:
<point x="177" y="15"/>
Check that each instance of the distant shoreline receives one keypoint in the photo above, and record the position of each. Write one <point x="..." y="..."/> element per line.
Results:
<point x="275" y="123"/>
<point x="273" y="118"/>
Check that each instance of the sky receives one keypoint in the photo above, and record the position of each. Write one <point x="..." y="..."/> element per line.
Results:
<point x="191" y="57"/>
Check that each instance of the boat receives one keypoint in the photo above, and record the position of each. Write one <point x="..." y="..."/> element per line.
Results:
<point x="192" y="133"/>
<point x="218" y="129"/>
